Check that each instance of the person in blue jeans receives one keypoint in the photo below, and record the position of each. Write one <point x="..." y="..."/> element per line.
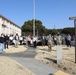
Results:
<point x="1" y="43"/>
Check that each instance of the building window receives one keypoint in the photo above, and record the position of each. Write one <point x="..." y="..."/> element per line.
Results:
<point x="3" y="19"/>
<point x="3" y="25"/>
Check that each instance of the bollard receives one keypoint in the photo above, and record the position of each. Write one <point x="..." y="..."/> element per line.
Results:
<point x="59" y="53"/>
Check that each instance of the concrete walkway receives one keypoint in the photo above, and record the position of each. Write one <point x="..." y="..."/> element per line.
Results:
<point x="35" y="66"/>
<point x="26" y="59"/>
<point x="30" y="53"/>
<point x="38" y="67"/>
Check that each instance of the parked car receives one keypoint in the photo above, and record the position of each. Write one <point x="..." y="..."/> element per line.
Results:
<point x="24" y="40"/>
<point x="39" y="41"/>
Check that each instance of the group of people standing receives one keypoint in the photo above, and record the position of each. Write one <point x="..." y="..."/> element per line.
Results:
<point x="50" y="40"/>
<point x="6" y="40"/>
<point x="58" y="40"/>
<point x="32" y="41"/>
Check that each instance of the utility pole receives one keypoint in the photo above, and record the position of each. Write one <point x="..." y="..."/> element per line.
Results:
<point x="74" y="18"/>
<point x="75" y="38"/>
<point x="34" y="18"/>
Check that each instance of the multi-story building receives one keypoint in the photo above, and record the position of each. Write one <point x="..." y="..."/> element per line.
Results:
<point x="8" y="27"/>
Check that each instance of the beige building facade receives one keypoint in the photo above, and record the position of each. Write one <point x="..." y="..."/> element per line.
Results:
<point x="8" y="27"/>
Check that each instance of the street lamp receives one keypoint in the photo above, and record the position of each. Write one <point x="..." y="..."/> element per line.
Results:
<point x="74" y="18"/>
<point x="34" y="18"/>
<point x="37" y="32"/>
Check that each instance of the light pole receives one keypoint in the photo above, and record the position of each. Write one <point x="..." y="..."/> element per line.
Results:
<point x="37" y="32"/>
<point x="34" y="18"/>
<point x="74" y="18"/>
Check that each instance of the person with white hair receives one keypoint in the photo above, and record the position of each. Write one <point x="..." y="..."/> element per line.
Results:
<point x="35" y="41"/>
<point x="16" y="40"/>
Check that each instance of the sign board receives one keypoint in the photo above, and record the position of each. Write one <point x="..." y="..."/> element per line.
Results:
<point x="59" y="53"/>
<point x="72" y="18"/>
<point x="1" y="47"/>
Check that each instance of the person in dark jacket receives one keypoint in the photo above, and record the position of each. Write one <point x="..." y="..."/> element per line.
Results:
<point x="34" y="41"/>
<point x="2" y="39"/>
<point x="43" y="40"/>
<point x="6" y="41"/>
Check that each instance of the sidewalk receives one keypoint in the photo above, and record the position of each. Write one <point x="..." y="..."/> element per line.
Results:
<point x="26" y="59"/>
<point x="34" y="65"/>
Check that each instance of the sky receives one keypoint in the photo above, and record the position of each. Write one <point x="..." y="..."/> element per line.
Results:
<point x="52" y="13"/>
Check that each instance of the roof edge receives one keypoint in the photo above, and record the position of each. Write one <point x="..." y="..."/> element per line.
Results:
<point x="10" y="21"/>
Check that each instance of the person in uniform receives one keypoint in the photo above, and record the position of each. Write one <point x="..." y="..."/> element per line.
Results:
<point x="59" y="39"/>
<point x="50" y="43"/>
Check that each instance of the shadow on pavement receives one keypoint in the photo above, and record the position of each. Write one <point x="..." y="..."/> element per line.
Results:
<point x="51" y="74"/>
<point x="29" y="53"/>
<point x="55" y="61"/>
